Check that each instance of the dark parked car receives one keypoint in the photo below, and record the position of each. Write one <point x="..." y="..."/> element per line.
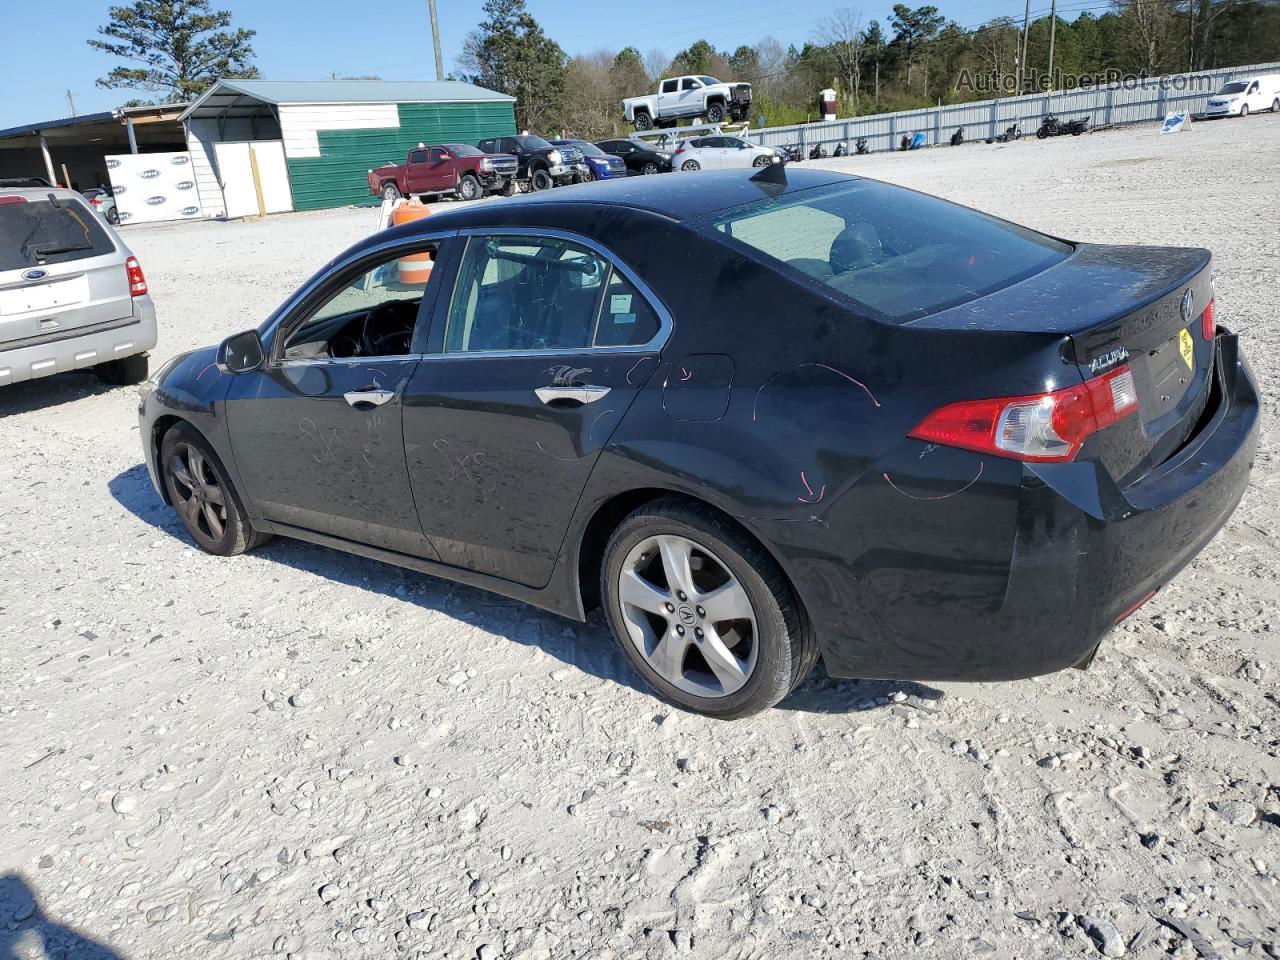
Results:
<point x="541" y="165"/>
<point x="967" y="451"/>
<point x="638" y="158"/>
<point x="599" y="165"/>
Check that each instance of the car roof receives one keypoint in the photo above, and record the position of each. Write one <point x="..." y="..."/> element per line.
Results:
<point x="675" y="196"/>
<point x="40" y="193"/>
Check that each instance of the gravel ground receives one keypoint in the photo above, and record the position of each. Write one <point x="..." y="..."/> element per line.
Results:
<point x="301" y="753"/>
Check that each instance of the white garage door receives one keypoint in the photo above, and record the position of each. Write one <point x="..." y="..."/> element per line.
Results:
<point x="236" y="162"/>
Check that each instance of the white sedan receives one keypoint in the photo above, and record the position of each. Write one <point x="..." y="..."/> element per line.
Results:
<point x="721" y="153"/>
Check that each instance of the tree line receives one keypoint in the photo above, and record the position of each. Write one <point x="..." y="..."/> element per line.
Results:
<point x="917" y="59"/>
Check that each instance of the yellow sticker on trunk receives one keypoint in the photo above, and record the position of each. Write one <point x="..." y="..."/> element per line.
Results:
<point x="1187" y="348"/>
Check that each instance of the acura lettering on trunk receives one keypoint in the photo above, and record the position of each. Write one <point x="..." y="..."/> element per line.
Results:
<point x="870" y="426"/>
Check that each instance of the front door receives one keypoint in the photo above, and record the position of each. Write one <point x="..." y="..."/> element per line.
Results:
<point x="317" y="430"/>
<point x="544" y="344"/>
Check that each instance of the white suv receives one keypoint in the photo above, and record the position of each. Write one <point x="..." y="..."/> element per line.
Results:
<point x="720" y="152"/>
<point x="72" y="295"/>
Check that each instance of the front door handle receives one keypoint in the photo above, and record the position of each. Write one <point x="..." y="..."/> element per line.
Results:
<point x="372" y="397"/>
<point x="577" y="394"/>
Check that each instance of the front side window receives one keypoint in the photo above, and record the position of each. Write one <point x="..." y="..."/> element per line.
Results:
<point x="373" y="315"/>
<point x="897" y="254"/>
<point x="437" y="154"/>
<point x="417" y="156"/>
<point x="688" y="83"/>
<point x="520" y="293"/>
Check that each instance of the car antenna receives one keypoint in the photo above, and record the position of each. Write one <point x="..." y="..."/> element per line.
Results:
<point x="773" y="173"/>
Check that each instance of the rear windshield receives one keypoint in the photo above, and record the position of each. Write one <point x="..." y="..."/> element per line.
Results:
<point x="463" y="150"/>
<point x="1233" y="88"/>
<point x="895" y="254"/>
<point x="44" y="231"/>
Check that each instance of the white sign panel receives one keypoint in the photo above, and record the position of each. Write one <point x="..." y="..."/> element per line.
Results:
<point x="153" y="186"/>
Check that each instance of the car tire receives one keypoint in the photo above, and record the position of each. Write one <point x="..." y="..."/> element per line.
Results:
<point x="772" y="647"/>
<point x="715" y="113"/>
<point x="1275" y="105"/>
<point x="642" y="120"/>
<point x="113" y="217"/>
<point x="123" y="372"/>
<point x="390" y="192"/>
<point x="689" y="166"/>
<point x="194" y="480"/>
<point x="540" y="180"/>
<point x="588" y="175"/>
<point x="761" y="161"/>
<point x="469" y="188"/>
<point x="1244" y="109"/>
<point x="649" y="169"/>
<point x="510" y="187"/>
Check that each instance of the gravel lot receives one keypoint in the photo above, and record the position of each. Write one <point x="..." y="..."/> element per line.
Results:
<point x="301" y="753"/>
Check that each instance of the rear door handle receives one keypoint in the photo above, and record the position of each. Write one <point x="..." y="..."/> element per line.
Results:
<point x="373" y="397"/>
<point x="577" y="394"/>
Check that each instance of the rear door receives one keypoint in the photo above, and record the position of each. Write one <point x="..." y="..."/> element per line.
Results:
<point x="533" y="361"/>
<point x="60" y="268"/>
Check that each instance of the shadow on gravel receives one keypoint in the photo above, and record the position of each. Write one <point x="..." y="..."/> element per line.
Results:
<point x="585" y="646"/>
<point x="46" y="392"/>
<point x="27" y="926"/>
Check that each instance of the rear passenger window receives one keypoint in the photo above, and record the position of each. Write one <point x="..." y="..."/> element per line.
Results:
<point x="669" y="86"/>
<point x="626" y="319"/>
<point x="523" y="293"/>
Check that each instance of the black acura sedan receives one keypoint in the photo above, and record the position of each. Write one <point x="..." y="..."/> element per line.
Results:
<point x="759" y="419"/>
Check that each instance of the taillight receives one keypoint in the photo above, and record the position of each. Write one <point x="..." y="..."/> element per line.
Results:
<point x="679" y="150"/>
<point x="1046" y="428"/>
<point x="1207" y="326"/>
<point x="137" y="282"/>
<point x="6" y="200"/>
<point x="96" y="201"/>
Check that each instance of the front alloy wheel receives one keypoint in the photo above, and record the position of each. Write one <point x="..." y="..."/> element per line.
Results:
<point x="649" y="169"/>
<point x="702" y="612"/>
<point x="198" y="489"/>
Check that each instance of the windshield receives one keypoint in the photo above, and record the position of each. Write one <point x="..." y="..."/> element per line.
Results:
<point x="463" y="150"/>
<point x="896" y="254"/>
<point x="1233" y="88"/>
<point x="36" y="232"/>
<point x="588" y="149"/>
<point x="533" y="143"/>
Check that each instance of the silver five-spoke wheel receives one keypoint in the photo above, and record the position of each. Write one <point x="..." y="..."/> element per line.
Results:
<point x="688" y="616"/>
<point x="199" y="497"/>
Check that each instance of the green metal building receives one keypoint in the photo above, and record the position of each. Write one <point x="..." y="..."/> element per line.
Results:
<point x="273" y="145"/>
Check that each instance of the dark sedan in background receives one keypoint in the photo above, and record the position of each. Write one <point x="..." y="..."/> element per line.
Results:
<point x="637" y="157"/>
<point x="759" y="418"/>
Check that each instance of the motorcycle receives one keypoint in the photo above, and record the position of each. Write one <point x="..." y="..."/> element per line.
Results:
<point x="841" y="150"/>
<point x="819" y="152"/>
<point x="791" y="153"/>
<point x="1011" y="133"/>
<point x="860" y="146"/>
<point x="957" y="138"/>
<point x="1053" y="127"/>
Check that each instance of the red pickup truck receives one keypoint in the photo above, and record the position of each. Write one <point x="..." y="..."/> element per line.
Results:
<point x="451" y="168"/>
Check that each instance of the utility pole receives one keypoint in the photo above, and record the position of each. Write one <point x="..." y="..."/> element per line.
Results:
<point x="1053" y="24"/>
<point x="71" y="102"/>
<point x="1022" y="57"/>
<point x="435" y="36"/>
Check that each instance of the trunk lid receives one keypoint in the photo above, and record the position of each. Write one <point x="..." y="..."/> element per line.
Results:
<point x="1116" y="306"/>
<point x="59" y="270"/>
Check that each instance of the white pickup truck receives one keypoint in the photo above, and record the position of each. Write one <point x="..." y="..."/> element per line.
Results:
<point x="685" y="97"/>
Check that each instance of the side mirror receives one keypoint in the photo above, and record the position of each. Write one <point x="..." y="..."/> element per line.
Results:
<point x="241" y="352"/>
<point x="742" y="146"/>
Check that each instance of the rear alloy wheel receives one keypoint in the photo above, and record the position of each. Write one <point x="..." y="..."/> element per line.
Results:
<point x="390" y="192"/>
<point x="123" y="372"/>
<point x="691" y="165"/>
<point x="468" y="188"/>
<point x="715" y="113"/>
<point x="200" y="492"/>
<point x="702" y="613"/>
<point x="649" y="169"/>
<point x="541" y="180"/>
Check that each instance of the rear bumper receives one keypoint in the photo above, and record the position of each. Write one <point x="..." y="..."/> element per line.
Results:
<point x="1025" y="570"/>
<point x="61" y="351"/>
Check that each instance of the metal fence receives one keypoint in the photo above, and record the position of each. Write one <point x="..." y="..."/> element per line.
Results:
<point x="1133" y="102"/>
